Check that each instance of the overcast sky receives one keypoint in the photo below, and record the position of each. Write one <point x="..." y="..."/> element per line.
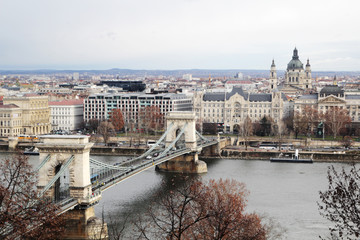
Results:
<point x="178" y="34"/>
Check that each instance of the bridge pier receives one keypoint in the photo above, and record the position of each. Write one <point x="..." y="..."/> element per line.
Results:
<point x="13" y="141"/>
<point x="82" y="224"/>
<point x="210" y="151"/>
<point x="187" y="163"/>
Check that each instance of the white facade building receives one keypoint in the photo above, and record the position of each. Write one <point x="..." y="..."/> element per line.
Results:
<point x="67" y="114"/>
<point x="232" y="108"/>
<point x="99" y="106"/>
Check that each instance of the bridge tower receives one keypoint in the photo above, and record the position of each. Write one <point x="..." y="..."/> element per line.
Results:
<point x="68" y="155"/>
<point x="190" y="163"/>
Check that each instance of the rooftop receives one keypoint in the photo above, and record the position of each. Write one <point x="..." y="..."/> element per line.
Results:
<point x="67" y="102"/>
<point x="309" y="96"/>
<point x="331" y="89"/>
<point x="9" y="106"/>
<point x="253" y="97"/>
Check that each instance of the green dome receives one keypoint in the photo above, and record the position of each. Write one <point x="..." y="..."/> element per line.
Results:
<point x="295" y="63"/>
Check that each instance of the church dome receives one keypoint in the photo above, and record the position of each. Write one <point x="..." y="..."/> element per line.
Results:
<point x="295" y="63"/>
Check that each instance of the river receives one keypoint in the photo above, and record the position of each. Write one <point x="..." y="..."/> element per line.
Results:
<point x="286" y="192"/>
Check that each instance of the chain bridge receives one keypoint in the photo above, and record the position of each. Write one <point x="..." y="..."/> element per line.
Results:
<point x="75" y="181"/>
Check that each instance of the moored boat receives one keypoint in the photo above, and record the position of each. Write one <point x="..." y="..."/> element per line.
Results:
<point x="31" y="151"/>
<point x="291" y="158"/>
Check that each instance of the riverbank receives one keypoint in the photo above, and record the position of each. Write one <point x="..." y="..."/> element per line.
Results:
<point x="333" y="156"/>
<point x="228" y="152"/>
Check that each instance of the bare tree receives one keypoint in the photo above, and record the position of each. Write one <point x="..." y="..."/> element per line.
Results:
<point x="340" y="203"/>
<point x="298" y="124"/>
<point x="23" y="214"/>
<point x="106" y="130"/>
<point x="151" y="119"/>
<point x="335" y="119"/>
<point x="117" y="227"/>
<point x="93" y="124"/>
<point x="197" y="210"/>
<point x="174" y="213"/>
<point x="306" y="120"/>
<point x="289" y="122"/>
<point x="225" y="201"/>
<point x="280" y="131"/>
<point x="247" y="130"/>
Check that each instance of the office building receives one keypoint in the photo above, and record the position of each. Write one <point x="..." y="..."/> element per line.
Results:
<point x="67" y="115"/>
<point x="99" y="106"/>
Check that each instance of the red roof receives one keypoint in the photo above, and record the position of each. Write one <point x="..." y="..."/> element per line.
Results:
<point x="67" y="102"/>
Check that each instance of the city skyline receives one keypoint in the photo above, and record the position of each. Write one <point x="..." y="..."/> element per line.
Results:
<point x="186" y="34"/>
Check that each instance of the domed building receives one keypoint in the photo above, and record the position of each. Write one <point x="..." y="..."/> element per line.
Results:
<point x="297" y="79"/>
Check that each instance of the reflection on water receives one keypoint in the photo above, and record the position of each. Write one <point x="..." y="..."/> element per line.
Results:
<point x="285" y="191"/>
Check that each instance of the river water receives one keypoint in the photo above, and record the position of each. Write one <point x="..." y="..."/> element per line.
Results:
<point x="286" y="192"/>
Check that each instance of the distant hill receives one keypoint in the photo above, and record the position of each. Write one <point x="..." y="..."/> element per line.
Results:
<point x="204" y="73"/>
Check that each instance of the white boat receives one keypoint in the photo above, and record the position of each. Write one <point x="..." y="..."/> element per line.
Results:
<point x="31" y="151"/>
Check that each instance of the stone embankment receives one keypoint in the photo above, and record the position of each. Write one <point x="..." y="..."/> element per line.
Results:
<point x="333" y="156"/>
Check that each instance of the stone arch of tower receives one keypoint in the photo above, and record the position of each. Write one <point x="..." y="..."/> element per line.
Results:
<point x="62" y="184"/>
<point x="176" y="121"/>
<point x="76" y="177"/>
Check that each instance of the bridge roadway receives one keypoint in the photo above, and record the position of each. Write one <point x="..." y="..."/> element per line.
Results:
<point x="115" y="176"/>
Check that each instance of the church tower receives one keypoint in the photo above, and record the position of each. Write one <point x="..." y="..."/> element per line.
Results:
<point x="295" y="75"/>
<point x="273" y="77"/>
<point x="308" y="82"/>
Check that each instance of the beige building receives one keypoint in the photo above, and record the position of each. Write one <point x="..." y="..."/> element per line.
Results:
<point x="331" y="96"/>
<point x="35" y="113"/>
<point x="10" y="120"/>
<point x="232" y="108"/>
